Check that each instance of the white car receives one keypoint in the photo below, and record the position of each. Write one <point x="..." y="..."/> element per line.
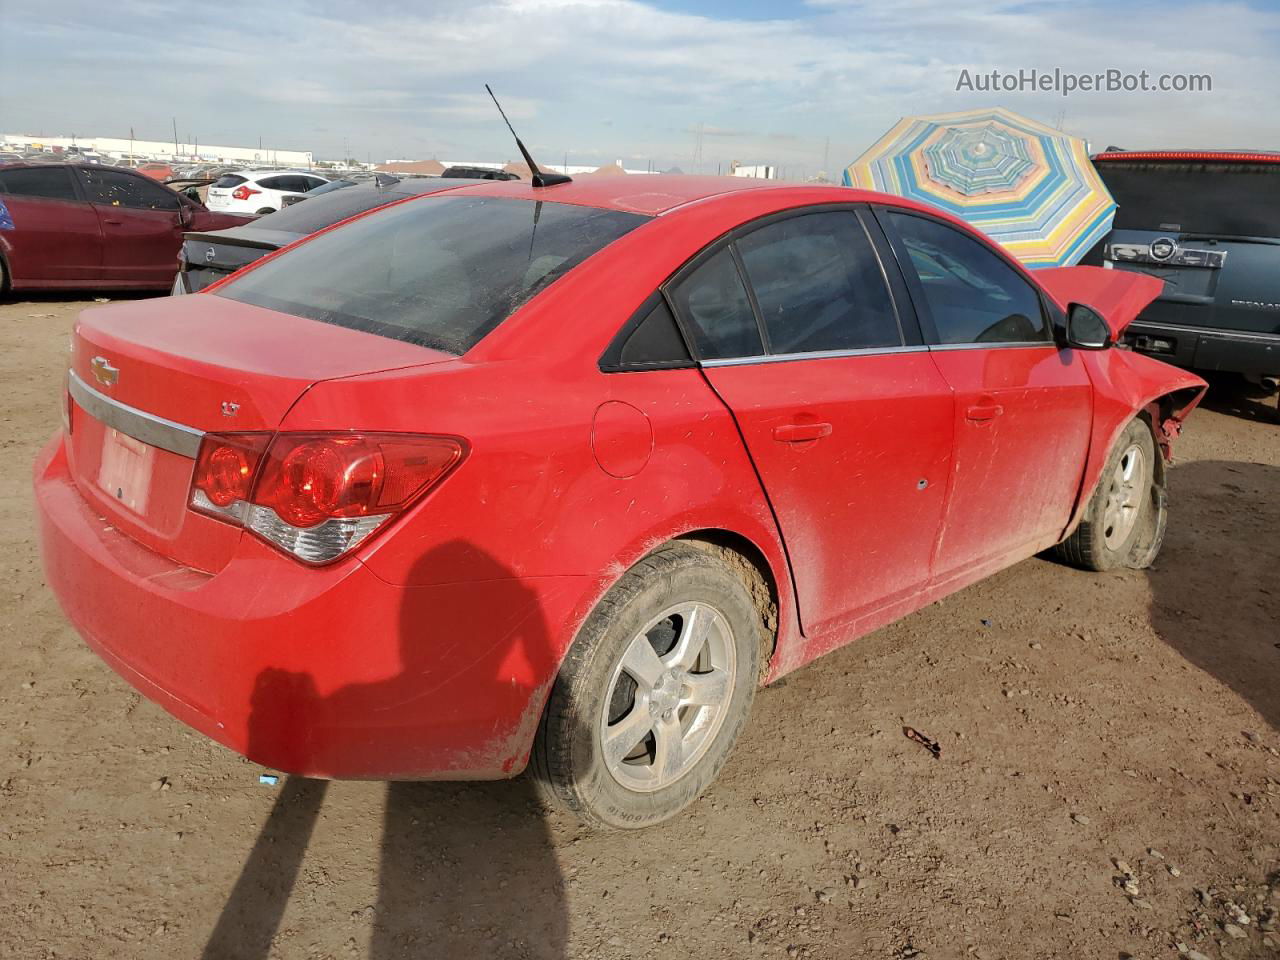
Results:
<point x="259" y="191"/>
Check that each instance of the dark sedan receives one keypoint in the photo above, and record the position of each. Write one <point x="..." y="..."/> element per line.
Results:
<point x="207" y="257"/>
<point x="82" y="226"/>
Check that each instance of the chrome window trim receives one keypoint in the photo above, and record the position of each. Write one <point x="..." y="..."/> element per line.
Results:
<point x="815" y="355"/>
<point x="873" y="351"/>
<point x="146" y="427"/>
<point x="995" y="345"/>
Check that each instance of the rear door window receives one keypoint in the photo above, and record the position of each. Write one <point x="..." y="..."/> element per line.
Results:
<point x="713" y="302"/>
<point x="972" y="295"/>
<point x="440" y="271"/>
<point x="46" y="183"/>
<point x="818" y="284"/>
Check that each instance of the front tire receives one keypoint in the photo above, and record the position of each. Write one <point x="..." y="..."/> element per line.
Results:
<point x="1124" y="522"/>
<point x="653" y="693"/>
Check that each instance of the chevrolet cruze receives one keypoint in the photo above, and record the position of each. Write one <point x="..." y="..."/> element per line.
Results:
<point x="556" y="476"/>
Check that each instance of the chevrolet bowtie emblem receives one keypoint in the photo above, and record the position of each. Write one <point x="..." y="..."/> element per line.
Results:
<point x="104" y="372"/>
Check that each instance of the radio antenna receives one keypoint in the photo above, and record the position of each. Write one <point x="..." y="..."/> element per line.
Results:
<point x="540" y="179"/>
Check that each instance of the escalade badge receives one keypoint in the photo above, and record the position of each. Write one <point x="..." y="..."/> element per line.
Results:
<point x="104" y="372"/>
<point x="1162" y="248"/>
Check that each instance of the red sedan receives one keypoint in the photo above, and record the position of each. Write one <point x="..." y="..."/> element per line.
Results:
<point x="84" y="226"/>
<point x="558" y="475"/>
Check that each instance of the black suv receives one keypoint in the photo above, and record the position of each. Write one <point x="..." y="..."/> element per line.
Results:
<point x="1208" y="225"/>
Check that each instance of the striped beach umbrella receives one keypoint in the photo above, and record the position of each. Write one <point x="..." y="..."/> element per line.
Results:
<point x="1030" y="187"/>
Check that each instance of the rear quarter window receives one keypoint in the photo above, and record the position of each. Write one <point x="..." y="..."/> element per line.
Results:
<point x="440" y="271"/>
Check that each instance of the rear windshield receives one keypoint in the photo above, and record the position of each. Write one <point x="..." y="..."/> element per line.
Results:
<point x="326" y="209"/>
<point x="229" y="180"/>
<point x="439" y="271"/>
<point x="1227" y="199"/>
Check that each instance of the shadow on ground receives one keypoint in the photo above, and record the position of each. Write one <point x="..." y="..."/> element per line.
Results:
<point x="465" y="869"/>
<point x="1216" y="584"/>
<point x="1233" y="395"/>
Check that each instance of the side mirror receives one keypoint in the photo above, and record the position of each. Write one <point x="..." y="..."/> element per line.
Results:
<point x="1086" y="329"/>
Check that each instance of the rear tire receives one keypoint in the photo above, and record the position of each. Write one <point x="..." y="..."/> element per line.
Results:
<point x="653" y="693"/>
<point x="1124" y="522"/>
<point x="264" y="211"/>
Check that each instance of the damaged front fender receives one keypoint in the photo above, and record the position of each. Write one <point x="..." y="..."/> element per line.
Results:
<point x="1126" y="385"/>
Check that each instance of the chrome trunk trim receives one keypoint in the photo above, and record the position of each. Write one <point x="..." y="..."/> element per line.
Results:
<point x="146" y="427"/>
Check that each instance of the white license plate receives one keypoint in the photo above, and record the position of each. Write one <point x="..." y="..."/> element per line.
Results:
<point x="125" y="471"/>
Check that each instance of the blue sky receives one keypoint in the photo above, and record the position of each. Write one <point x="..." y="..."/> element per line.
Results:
<point x="764" y="80"/>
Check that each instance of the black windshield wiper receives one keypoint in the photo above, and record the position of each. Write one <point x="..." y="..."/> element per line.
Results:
<point x="1268" y="241"/>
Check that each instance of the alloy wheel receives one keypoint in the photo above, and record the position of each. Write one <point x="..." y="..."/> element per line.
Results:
<point x="668" y="697"/>
<point x="1125" y="492"/>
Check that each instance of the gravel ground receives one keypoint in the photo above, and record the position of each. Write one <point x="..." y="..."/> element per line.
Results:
<point x="1098" y="733"/>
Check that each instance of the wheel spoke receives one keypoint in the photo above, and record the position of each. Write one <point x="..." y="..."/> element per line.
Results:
<point x="693" y="637"/>
<point x="621" y="738"/>
<point x="642" y="662"/>
<point x="707" y="689"/>
<point x="668" y="754"/>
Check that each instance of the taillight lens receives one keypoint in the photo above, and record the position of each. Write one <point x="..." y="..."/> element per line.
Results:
<point x="225" y="468"/>
<point x="244" y="193"/>
<point x="317" y="495"/>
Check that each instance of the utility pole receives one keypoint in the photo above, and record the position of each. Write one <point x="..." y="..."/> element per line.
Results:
<point x="175" y="136"/>
<point x="826" y="159"/>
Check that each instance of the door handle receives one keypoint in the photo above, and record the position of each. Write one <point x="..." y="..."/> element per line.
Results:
<point x="984" y="412"/>
<point x="114" y="223"/>
<point x="800" y="432"/>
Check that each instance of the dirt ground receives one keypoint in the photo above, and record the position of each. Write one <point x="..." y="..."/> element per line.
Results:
<point x="1084" y="719"/>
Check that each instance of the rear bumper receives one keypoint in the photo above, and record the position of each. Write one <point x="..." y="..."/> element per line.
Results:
<point x="1201" y="348"/>
<point x="328" y="672"/>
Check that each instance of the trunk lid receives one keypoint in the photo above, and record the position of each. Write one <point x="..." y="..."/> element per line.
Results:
<point x="151" y="377"/>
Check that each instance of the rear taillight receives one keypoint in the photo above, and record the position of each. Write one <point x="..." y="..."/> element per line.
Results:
<point x="243" y="193"/>
<point x="317" y="495"/>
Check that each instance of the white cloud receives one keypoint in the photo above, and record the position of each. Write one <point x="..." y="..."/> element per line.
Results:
<point x="399" y="81"/>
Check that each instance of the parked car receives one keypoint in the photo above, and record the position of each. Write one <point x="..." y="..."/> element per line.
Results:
<point x="194" y="188"/>
<point x="477" y="173"/>
<point x="93" y="227"/>
<point x="568" y="471"/>
<point x="209" y="256"/>
<point x="260" y="191"/>
<point x="319" y="191"/>
<point x="1207" y="223"/>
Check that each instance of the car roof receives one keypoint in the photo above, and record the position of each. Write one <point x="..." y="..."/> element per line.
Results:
<point x="13" y="165"/>
<point x="650" y="194"/>
<point x="658" y="194"/>
<point x="277" y="173"/>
